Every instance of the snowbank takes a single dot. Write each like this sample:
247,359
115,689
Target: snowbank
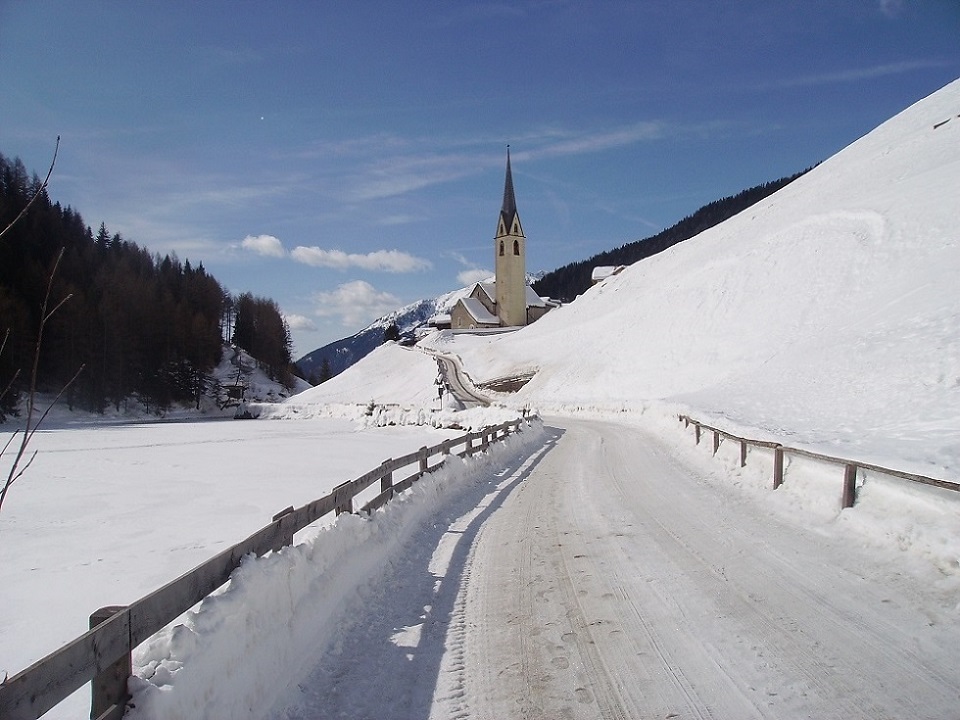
256,636
391,374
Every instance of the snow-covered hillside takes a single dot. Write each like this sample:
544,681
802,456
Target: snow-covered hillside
828,314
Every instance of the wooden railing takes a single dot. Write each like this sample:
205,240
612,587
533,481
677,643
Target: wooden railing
103,654
850,467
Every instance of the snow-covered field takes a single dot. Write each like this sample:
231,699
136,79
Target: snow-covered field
828,316
110,512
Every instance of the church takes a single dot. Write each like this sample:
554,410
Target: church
508,301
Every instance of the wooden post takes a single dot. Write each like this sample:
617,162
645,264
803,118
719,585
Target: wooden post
777,466
386,482
469,448
344,498
849,485
109,687
696,432
743,453
286,533
716,441
424,457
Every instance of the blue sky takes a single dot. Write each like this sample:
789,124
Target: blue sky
347,158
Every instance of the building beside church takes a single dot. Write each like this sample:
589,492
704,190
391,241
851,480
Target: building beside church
508,301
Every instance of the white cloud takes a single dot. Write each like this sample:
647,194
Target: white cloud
459,257
474,275
393,261
355,303
398,175
300,322
398,220
891,8
264,245
860,74
597,142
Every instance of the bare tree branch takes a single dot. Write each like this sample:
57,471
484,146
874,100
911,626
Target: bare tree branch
38,193
18,466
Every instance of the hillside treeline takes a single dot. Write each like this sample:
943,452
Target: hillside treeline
566,282
141,326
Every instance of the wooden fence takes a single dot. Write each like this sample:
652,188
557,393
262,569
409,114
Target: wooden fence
851,468
103,654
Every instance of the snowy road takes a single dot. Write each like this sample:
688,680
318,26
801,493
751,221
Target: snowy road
603,578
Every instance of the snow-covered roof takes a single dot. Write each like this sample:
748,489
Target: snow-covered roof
478,312
601,272
534,300
490,288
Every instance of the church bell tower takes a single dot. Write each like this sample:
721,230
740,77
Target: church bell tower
510,250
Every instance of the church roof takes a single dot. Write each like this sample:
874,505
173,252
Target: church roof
534,300
478,312
490,288
530,295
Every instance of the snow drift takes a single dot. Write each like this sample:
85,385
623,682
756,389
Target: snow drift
244,644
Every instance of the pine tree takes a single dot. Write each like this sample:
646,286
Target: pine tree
325,372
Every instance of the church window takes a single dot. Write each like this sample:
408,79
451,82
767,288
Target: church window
501,248
516,247
516,228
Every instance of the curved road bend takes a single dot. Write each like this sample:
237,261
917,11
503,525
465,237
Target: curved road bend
606,580
458,383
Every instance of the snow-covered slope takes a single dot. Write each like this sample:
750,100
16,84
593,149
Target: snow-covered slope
389,375
828,314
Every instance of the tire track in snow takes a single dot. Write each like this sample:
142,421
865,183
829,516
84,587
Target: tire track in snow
614,583
810,612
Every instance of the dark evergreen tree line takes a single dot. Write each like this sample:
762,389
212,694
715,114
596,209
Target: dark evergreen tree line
261,330
141,325
566,282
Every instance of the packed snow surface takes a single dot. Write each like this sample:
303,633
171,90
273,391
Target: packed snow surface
599,564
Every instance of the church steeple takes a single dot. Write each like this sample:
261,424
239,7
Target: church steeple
509,218
509,247
509,207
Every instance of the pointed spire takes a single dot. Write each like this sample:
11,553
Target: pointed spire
509,208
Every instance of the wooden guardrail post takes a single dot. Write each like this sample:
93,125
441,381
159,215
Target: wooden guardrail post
469,447
424,459
109,687
285,537
716,441
386,482
777,466
743,453
344,499
696,432
849,485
